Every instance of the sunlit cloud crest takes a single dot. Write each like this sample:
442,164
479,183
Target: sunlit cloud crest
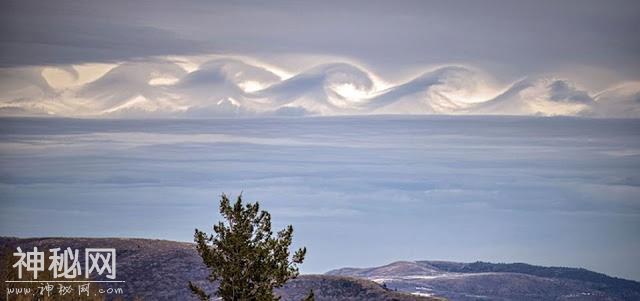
227,87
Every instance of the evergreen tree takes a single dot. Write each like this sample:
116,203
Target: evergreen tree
244,255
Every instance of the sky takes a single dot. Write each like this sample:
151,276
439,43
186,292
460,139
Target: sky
162,58
157,107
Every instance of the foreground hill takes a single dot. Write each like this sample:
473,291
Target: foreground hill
160,270
490,281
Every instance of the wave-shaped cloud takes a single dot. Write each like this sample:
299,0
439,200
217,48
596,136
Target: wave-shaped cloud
539,97
421,95
318,90
234,87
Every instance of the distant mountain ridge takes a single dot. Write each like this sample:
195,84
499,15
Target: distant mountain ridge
540,271
497,281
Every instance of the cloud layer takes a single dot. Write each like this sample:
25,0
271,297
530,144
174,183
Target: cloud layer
228,87
402,187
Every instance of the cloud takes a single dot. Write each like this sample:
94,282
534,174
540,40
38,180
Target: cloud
220,87
127,82
563,91
421,94
542,96
24,83
229,87
622,100
67,32
316,89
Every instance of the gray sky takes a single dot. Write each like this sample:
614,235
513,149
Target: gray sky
508,38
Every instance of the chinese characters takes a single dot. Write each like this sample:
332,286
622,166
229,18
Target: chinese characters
65,264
